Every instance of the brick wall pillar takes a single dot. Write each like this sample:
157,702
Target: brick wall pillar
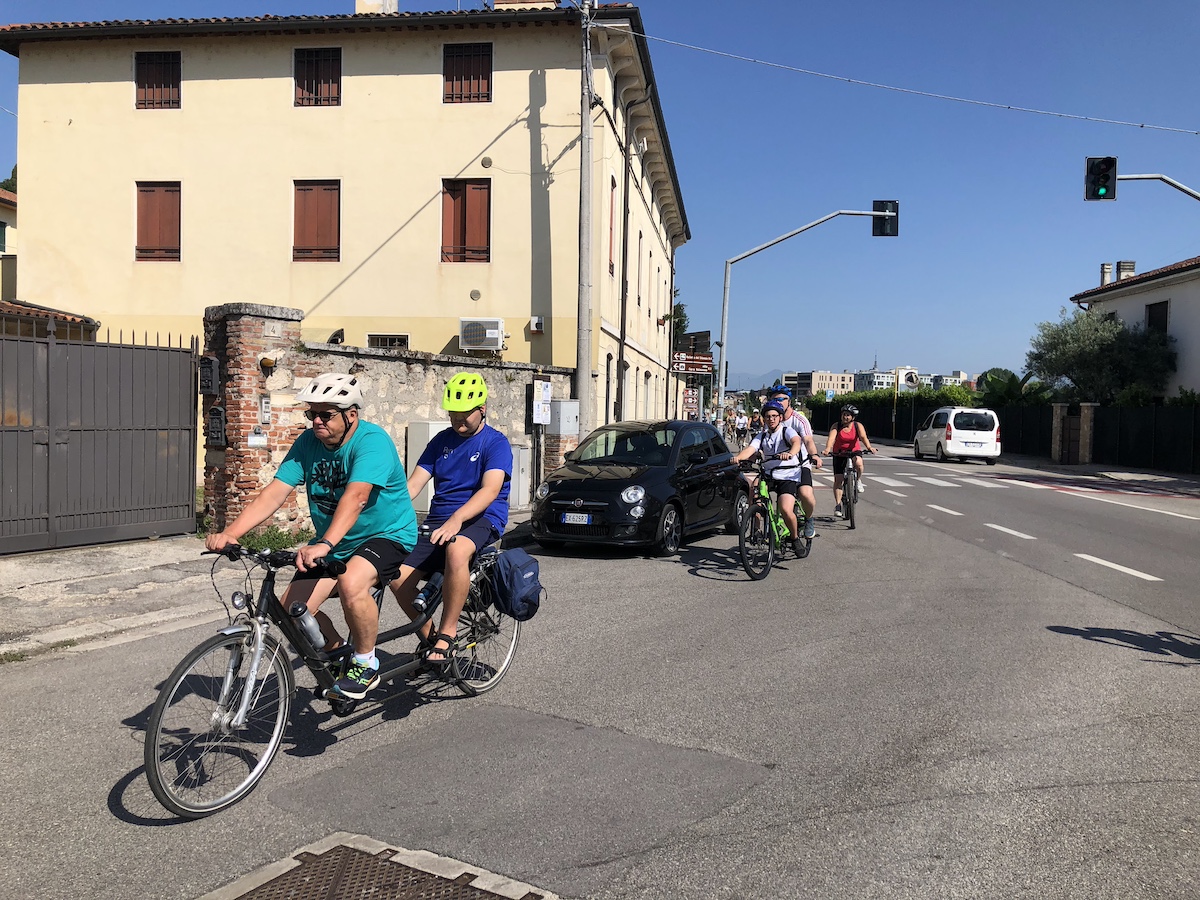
240,336
1056,430
557,447
1087,422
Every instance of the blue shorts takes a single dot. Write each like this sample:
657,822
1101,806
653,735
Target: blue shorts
428,557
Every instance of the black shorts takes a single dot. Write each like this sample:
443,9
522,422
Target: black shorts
384,554
839,462
741,432
428,557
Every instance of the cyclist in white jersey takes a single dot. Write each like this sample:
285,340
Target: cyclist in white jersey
785,453
782,395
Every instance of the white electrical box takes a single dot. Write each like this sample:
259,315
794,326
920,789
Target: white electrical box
419,436
564,417
537,324
520,490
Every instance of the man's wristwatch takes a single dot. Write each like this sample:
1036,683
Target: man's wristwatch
323,541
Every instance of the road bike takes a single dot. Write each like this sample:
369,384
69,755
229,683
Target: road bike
763,535
221,715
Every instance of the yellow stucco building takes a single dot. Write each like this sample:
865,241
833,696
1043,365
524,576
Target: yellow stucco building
408,179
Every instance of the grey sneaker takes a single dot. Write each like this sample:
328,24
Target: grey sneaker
356,682
837,511
810,529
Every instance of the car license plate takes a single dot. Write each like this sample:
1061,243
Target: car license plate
974,443
576,519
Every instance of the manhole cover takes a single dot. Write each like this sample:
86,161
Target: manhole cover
346,866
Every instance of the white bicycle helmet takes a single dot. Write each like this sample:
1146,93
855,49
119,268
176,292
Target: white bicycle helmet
333,388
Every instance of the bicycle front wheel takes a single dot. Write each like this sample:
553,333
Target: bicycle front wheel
850,494
487,642
197,762
756,541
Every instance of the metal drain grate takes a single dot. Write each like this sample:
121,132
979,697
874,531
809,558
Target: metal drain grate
335,870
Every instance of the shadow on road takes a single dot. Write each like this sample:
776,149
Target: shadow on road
1184,649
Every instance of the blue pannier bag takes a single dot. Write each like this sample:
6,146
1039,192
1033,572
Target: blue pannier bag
516,590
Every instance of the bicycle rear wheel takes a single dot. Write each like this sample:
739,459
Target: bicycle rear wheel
756,541
197,763
487,641
850,493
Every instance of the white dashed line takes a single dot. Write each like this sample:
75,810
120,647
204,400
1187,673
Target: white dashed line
1022,536
896,493
889,482
1112,565
1165,512
948,512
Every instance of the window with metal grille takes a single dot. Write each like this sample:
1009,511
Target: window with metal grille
3,235
1156,316
157,220
317,233
467,73
466,220
388,341
319,76
157,76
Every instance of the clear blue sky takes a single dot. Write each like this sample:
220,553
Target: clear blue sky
995,235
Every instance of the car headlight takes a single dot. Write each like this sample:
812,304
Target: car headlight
543,491
634,494
637,512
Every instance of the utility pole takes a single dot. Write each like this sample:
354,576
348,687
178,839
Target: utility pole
583,352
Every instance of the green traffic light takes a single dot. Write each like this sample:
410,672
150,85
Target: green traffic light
1102,191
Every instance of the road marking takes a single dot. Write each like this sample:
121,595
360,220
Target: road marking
896,493
1112,565
1025,537
983,483
1030,484
1165,512
948,512
936,482
1078,487
889,482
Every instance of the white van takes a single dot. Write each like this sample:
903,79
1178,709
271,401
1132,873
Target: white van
958,432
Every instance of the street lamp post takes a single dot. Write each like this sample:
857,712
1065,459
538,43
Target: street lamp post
729,265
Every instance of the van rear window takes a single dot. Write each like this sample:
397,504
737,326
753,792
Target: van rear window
974,421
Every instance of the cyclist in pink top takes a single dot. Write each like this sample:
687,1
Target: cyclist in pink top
847,437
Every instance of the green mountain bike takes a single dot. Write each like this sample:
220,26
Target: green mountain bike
763,535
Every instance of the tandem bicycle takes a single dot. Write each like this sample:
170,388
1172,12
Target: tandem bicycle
221,715
763,534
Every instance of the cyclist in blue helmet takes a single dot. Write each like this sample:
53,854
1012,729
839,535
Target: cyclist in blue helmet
799,423
785,472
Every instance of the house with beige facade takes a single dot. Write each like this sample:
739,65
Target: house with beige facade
409,180
1165,299
8,245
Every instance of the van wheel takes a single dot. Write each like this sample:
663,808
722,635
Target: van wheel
917,454
991,460
941,454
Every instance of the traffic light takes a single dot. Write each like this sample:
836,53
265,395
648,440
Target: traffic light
1100,178
885,226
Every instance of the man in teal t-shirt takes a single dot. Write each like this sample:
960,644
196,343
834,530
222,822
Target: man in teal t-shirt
359,502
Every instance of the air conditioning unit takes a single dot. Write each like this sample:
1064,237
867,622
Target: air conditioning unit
481,334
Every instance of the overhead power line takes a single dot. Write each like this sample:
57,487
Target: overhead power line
899,90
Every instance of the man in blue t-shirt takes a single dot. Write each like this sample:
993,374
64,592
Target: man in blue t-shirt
471,466
360,508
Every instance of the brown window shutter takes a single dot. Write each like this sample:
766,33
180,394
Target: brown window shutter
453,225
478,221
466,73
317,227
158,221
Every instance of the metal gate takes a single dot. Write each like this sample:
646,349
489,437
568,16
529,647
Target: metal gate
97,442
1069,455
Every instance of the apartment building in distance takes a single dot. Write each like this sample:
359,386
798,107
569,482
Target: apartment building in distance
806,384
410,179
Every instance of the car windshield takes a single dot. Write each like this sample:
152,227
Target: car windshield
638,448
974,421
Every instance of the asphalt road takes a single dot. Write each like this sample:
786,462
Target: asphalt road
926,707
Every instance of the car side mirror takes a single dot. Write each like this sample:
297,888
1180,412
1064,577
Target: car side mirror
571,455
696,458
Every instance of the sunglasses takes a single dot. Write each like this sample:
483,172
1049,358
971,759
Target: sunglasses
323,414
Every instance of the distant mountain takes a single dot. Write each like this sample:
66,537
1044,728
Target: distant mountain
742,381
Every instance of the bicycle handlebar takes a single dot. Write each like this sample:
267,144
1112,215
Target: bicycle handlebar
275,559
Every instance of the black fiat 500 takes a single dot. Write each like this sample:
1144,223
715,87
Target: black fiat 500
641,483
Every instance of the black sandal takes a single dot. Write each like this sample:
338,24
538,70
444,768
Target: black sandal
431,647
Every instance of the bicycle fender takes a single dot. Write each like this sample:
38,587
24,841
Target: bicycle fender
235,629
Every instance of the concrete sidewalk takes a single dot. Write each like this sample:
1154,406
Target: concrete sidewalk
70,599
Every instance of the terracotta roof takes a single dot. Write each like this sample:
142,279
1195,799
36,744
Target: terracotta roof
1097,293
8,198
31,311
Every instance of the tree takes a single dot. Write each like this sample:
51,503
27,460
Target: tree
679,324
1099,356
10,183
1000,387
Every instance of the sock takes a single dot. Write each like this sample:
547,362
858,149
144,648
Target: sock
368,660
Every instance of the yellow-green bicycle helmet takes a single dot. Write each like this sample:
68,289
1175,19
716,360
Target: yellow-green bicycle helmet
464,392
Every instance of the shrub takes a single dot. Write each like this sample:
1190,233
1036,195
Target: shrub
275,538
